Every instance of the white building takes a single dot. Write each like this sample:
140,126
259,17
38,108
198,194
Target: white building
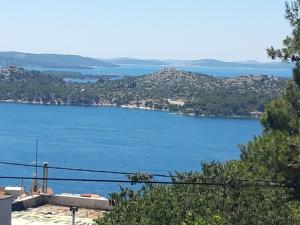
5,209
14,191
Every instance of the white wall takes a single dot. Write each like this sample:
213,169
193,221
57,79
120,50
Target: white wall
88,203
5,210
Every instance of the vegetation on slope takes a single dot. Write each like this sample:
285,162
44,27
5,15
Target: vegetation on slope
168,89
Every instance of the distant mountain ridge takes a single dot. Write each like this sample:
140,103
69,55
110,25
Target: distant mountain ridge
75,61
199,62
50,60
219,63
134,61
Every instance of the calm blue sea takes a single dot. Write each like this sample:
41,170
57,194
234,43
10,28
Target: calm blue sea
135,70
108,138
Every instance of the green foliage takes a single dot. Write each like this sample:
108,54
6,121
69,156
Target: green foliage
280,115
291,44
191,219
202,204
272,156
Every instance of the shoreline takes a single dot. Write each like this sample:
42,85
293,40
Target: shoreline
11,101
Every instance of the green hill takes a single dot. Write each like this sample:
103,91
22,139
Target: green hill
167,89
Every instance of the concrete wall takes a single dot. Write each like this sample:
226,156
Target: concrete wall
82,202
5,210
61,200
29,202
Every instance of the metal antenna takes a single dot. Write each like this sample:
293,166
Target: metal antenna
36,163
73,209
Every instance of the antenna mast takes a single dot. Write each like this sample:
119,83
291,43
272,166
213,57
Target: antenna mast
36,164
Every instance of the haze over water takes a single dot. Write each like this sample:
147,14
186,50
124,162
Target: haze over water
116,139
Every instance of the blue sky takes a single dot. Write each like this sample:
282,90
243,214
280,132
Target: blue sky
163,29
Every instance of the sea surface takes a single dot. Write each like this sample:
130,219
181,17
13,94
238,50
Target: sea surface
115,139
136,70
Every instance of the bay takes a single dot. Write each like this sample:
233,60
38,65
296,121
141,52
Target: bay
109,138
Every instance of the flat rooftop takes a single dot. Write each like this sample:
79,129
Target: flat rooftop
54,215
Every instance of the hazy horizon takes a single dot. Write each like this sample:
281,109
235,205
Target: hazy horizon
149,59
227,30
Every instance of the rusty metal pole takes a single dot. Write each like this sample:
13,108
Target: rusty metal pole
36,166
45,177
73,209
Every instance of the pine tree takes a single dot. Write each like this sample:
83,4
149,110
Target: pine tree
290,52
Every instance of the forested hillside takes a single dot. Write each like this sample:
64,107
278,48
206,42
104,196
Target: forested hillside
168,89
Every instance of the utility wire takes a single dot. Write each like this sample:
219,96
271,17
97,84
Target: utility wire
230,180
83,170
228,184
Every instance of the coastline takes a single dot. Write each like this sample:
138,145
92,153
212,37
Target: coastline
11,101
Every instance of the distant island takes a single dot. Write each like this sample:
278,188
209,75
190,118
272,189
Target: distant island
168,89
133,61
240,64
199,62
29,60
21,59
